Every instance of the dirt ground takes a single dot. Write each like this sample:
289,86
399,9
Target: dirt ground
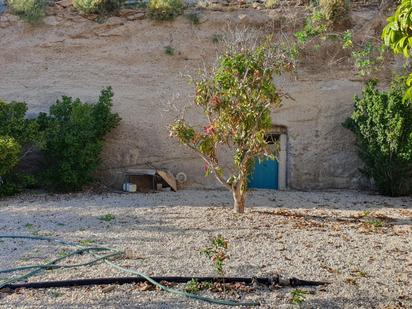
359,242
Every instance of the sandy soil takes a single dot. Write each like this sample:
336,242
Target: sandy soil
359,242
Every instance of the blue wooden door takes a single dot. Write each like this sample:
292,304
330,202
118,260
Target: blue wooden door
264,175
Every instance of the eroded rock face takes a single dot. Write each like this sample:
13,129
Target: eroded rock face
321,153
70,55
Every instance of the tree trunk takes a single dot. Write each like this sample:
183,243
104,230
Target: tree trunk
239,200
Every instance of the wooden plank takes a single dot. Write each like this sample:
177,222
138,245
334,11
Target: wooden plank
169,178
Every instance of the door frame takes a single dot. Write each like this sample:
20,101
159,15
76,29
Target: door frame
282,156
281,136
281,131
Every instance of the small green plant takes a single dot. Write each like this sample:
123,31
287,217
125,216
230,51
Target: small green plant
367,59
29,226
360,273
347,39
107,217
101,7
217,37
63,252
87,242
165,9
291,52
193,286
315,26
375,223
31,11
297,296
169,50
270,4
194,18
207,285
217,253
73,135
365,213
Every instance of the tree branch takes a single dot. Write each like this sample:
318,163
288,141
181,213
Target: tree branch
212,165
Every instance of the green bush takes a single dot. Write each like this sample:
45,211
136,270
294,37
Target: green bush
270,4
97,6
334,10
382,123
73,140
9,154
315,25
17,134
13,123
165,9
31,11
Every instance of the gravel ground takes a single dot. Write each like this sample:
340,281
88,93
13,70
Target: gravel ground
359,242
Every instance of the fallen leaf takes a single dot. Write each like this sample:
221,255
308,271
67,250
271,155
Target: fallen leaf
108,288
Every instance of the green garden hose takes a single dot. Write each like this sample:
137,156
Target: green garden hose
53,266
99,258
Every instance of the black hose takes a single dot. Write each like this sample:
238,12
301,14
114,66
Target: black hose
292,282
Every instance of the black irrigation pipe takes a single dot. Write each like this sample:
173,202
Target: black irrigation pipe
276,281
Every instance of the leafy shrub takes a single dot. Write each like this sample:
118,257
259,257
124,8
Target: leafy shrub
165,9
14,183
347,39
87,6
73,140
315,25
217,253
13,122
382,123
9,154
31,11
97,6
194,18
193,286
17,134
270,4
367,59
334,10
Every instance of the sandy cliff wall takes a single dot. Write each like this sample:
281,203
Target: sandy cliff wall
70,55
